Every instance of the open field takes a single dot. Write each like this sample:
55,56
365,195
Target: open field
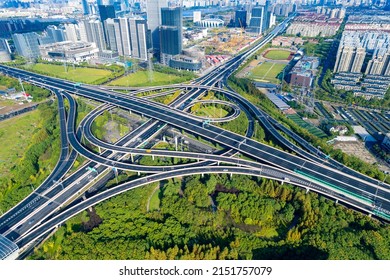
141,78
266,72
277,54
15,135
211,111
78,74
312,129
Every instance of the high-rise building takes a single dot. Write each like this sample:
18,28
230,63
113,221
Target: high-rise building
92,31
153,10
240,19
358,60
354,45
111,38
171,33
266,16
118,39
98,34
5,51
71,32
55,33
85,7
257,20
106,11
344,59
138,36
122,33
27,44
85,31
379,63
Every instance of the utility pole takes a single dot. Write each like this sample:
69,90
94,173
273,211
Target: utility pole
21,84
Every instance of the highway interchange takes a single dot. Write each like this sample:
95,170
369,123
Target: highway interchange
58,198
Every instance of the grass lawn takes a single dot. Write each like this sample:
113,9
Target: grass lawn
277,54
154,202
141,78
267,72
15,135
312,129
210,111
78,74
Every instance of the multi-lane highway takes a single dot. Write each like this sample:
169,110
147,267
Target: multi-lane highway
309,168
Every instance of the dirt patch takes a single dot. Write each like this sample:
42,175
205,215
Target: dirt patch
357,149
112,132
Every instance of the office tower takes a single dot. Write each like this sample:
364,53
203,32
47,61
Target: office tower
256,22
171,33
85,7
26,44
98,34
153,11
118,38
122,34
55,33
111,37
266,16
85,31
71,32
240,19
106,11
138,36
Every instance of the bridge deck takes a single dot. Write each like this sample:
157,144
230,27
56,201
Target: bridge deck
8,249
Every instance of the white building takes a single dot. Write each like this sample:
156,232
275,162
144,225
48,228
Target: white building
69,52
197,16
212,23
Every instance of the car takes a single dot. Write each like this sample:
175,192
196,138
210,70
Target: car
31,221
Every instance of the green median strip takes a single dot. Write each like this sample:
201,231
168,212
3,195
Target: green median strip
335,187
381,214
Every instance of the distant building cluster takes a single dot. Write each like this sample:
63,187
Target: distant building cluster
355,45
255,18
303,73
379,21
313,25
371,86
282,41
332,13
284,9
